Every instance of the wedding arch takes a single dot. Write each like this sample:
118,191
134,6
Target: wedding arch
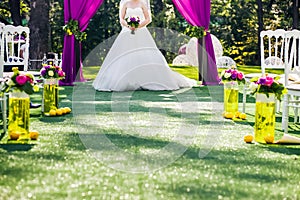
195,12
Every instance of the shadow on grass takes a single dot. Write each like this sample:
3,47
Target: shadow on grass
16,147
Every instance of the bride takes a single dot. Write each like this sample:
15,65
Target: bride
134,62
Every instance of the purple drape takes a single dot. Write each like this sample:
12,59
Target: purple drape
82,11
197,13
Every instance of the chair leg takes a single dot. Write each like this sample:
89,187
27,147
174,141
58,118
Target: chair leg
285,113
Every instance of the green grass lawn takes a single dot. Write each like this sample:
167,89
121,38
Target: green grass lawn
147,145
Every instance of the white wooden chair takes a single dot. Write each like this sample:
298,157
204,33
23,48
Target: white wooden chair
3,96
292,77
14,38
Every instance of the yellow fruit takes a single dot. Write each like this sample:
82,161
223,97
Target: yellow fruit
237,114
34,135
242,116
52,112
14,135
59,112
269,139
248,138
228,115
68,109
63,110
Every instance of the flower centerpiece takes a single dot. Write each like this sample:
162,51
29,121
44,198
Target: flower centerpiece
232,74
51,75
19,82
231,79
19,86
266,89
133,22
267,85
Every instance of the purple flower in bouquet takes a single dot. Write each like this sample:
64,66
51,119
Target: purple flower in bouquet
232,75
133,22
43,72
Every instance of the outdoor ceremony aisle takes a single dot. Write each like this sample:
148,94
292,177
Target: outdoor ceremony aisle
147,145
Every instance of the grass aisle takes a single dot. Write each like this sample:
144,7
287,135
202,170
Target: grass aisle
179,138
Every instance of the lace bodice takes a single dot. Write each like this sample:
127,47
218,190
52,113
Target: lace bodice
135,12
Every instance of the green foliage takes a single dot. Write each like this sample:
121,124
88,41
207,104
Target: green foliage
72,28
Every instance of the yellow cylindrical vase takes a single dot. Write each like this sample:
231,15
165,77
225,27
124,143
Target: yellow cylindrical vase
18,119
50,96
231,97
264,117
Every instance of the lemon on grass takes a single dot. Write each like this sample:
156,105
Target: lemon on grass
248,138
269,139
228,115
242,116
34,135
14,135
63,110
59,112
67,109
52,112
237,114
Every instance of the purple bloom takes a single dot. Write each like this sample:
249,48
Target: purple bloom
47,67
43,72
262,81
234,74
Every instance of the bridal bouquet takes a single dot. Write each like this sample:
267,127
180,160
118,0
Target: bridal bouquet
133,22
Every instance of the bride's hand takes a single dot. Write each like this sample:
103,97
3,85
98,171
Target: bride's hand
131,28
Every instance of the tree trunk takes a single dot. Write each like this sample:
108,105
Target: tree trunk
295,14
260,25
39,30
15,12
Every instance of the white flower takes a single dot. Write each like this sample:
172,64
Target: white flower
10,83
50,73
253,86
227,75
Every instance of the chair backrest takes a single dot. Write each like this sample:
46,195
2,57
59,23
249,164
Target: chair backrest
14,40
292,54
272,49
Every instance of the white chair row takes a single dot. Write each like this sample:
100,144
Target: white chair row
280,49
189,56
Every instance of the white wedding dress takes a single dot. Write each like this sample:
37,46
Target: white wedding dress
135,63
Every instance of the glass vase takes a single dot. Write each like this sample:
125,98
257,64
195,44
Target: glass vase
264,117
50,96
18,117
231,96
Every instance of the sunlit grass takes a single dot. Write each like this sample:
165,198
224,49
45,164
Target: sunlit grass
215,162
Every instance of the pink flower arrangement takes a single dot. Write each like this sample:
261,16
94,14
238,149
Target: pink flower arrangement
267,85
21,82
232,75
